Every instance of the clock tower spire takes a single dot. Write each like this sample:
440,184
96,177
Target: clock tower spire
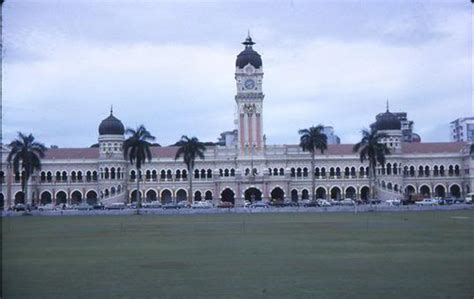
249,99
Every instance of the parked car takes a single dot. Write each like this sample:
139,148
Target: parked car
19,207
247,204
184,204
46,207
116,206
347,202
446,201
152,205
259,204
277,203
171,205
427,202
308,203
84,207
225,204
323,203
290,203
201,205
98,206
459,200
393,202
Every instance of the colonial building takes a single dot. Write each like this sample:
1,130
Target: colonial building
242,166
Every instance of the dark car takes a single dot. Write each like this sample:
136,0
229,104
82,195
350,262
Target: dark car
225,204
171,205
19,207
98,206
276,203
309,203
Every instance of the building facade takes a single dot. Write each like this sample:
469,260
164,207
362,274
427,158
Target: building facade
462,129
242,166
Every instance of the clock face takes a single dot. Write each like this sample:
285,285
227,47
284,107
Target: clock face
249,84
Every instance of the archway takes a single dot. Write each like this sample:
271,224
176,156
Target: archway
365,193
2,201
253,194
228,195
277,194
305,194
91,197
455,191
350,192
440,191
197,196
425,191
20,197
61,197
321,193
166,196
336,193
46,198
181,195
76,197
294,195
133,195
208,195
151,195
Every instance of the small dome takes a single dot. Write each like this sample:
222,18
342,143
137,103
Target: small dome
111,126
387,121
248,55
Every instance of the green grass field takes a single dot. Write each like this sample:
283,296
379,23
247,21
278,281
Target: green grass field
332,255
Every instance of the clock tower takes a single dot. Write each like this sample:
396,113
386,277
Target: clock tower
249,100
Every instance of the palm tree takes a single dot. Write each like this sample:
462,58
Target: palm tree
136,149
190,149
25,155
313,139
372,149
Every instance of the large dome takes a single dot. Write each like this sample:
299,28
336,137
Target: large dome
387,121
111,126
248,55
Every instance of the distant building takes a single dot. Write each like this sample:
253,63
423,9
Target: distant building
332,138
228,139
462,129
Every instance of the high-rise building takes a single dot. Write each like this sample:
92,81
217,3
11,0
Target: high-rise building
462,129
332,138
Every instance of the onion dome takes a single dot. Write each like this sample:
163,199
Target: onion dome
387,121
248,55
111,126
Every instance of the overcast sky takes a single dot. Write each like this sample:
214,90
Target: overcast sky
170,66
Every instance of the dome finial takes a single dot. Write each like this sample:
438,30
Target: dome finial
387,106
248,41
111,109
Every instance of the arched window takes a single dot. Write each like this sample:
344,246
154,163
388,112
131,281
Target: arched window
64,176
73,176
133,175
275,171
338,172
79,176
169,174
106,173
42,176
282,171
232,172
94,175
323,172
353,172
177,174
298,172
112,173
395,168
427,171
209,173
389,168
49,176
88,176
412,170
293,172
203,173
361,172
420,171
154,175
456,170
196,173
163,174
305,172
346,172
450,170
435,170
2,177
226,172
221,172
184,174
332,173
317,172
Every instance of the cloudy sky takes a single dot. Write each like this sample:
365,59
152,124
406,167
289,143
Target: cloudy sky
170,65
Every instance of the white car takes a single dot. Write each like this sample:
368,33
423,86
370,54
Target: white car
427,202
46,207
201,205
323,203
393,202
347,202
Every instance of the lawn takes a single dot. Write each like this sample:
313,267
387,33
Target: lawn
326,255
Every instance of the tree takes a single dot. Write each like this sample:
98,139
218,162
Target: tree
471,151
372,149
313,139
25,155
190,149
136,149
